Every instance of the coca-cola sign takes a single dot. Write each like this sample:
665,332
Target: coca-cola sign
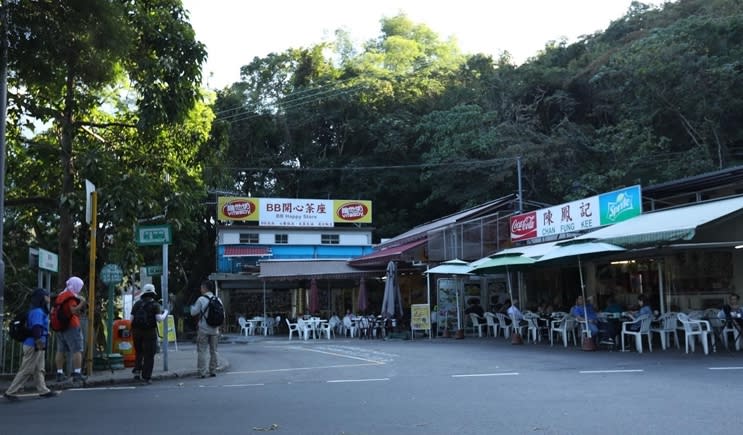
524,226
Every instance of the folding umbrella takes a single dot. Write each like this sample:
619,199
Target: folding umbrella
392,301
314,297
578,249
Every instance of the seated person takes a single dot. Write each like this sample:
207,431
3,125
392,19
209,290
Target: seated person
585,314
515,314
644,309
732,312
612,306
611,326
474,307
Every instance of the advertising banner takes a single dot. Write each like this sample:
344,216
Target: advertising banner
420,317
288,212
583,214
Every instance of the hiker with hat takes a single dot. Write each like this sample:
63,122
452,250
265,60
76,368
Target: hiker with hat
70,339
146,312
34,348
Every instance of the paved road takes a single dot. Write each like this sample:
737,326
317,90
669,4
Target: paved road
472,386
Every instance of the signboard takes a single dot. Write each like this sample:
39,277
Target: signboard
48,260
153,235
288,212
420,317
584,214
171,329
449,301
154,270
111,274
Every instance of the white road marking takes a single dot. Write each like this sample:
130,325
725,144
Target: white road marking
338,381
592,372
243,385
475,375
300,369
725,368
102,388
344,356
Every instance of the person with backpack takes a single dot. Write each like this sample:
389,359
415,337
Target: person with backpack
146,312
34,348
210,312
65,321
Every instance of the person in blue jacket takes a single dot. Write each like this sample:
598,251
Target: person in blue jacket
34,348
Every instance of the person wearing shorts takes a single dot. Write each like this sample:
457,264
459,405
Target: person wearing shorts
70,341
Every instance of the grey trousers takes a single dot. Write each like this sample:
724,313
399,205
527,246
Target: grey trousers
206,347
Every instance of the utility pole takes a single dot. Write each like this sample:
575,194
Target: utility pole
3,117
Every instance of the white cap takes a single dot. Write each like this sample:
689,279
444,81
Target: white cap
148,288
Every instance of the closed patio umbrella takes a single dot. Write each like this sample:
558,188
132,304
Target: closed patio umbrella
363,298
314,297
392,301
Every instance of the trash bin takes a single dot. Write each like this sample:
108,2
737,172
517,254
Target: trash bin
123,342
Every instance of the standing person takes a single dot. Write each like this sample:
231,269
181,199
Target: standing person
34,348
146,312
208,335
70,340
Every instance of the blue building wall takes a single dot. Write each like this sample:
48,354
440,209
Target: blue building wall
286,252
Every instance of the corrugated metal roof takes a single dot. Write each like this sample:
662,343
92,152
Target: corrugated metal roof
667,225
387,254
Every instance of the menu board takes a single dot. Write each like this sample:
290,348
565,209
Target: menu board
420,317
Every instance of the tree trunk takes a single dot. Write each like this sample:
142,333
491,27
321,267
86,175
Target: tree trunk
65,157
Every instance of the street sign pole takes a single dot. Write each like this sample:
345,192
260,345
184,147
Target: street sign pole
91,284
164,281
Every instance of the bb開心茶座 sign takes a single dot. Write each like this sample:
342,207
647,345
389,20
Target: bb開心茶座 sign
292,212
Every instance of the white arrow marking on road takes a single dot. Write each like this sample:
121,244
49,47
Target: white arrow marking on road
485,374
356,380
725,368
592,372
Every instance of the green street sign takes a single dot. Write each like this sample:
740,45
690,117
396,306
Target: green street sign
111,274
151,235
153,270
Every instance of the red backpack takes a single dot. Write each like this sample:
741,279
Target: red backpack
59,316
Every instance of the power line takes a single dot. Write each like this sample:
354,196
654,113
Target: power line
476,164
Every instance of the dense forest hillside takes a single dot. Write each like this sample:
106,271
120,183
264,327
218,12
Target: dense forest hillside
420,128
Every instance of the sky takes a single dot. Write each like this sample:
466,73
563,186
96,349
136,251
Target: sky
236,31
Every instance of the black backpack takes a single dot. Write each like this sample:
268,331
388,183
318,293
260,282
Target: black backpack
214,312
142,317
18,329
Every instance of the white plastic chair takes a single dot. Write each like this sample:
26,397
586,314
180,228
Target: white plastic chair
668,325
532,322
565,328
245,327
644,330
492,324
293,327
349,326
478,325
326,329
504,325
694,329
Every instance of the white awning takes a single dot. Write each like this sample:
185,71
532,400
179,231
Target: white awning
666,226
532,251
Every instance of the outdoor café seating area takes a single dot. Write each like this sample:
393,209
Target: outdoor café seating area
351,326
696,330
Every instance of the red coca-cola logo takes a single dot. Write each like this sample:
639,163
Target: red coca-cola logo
352,211
524,226
238,209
